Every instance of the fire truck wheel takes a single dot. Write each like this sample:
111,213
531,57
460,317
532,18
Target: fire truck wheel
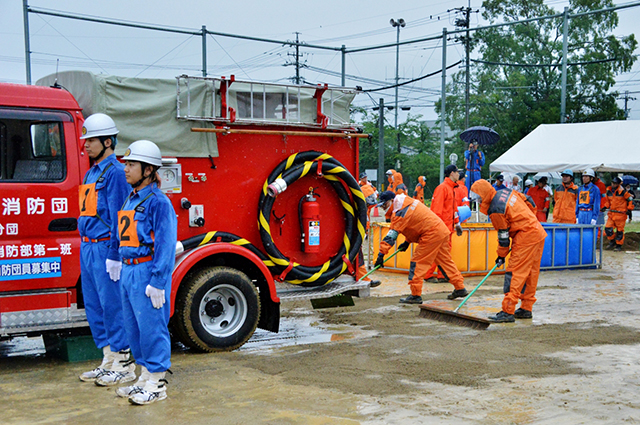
217,309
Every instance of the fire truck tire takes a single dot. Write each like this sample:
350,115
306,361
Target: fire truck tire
217,309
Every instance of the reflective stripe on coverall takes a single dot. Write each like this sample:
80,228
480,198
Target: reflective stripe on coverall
588,203
155,226
541,199
618,202
98,221
513,219
564,210
473,164
420,225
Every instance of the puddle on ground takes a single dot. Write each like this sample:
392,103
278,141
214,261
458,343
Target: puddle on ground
295,330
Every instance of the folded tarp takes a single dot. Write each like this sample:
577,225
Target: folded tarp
144,108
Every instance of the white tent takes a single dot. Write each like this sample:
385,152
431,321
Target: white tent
603,146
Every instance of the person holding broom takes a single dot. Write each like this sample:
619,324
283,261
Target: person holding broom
518,230
419,225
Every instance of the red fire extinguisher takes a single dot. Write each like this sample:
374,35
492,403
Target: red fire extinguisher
309,210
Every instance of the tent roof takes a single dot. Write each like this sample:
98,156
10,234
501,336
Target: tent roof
603,146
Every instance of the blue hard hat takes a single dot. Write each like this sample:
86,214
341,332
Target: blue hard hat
386,196
567,172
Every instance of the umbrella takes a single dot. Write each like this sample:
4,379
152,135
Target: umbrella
483,135
629,180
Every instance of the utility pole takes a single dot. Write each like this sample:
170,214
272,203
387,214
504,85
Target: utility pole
464,23
297,63
381,146
626,98
400,23
27,44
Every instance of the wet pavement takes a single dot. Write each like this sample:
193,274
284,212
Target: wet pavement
219,388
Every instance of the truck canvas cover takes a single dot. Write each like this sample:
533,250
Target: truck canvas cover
144,108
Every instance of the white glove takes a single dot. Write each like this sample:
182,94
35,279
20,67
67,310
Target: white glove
156,295
593,221
114,268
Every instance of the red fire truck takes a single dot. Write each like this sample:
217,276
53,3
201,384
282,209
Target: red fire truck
260,176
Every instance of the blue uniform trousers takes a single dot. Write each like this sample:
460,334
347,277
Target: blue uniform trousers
102,301
472,177
146,327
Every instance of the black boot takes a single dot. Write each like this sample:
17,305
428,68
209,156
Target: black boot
502,317
521,313
612,244
457,293
411,299
375,283
618,248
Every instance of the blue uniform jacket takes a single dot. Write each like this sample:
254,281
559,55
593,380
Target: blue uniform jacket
588,200
474,161
112,190
154,214
499,187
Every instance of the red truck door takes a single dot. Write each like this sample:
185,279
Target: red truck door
39,175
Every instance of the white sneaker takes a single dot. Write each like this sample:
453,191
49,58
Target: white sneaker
123,370
155,389
126,392
107,363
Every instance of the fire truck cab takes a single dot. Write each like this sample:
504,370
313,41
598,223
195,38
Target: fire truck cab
260,176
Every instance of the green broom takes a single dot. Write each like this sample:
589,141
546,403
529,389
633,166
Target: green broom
453,316
376,268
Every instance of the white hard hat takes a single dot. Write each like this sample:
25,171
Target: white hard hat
589,172
97,125
389,172
528,182
144,151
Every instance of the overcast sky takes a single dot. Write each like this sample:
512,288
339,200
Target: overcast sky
354,23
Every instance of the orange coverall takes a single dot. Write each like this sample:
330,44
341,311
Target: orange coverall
419,192
420,225
462,195
513,219
541,198
444,204
618,201
565,198
394,181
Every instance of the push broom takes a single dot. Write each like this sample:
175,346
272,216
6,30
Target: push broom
453,316
376,268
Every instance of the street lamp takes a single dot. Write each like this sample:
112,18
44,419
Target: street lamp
400,23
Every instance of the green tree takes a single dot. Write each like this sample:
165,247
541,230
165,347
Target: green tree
516,83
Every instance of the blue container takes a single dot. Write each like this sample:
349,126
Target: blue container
559,236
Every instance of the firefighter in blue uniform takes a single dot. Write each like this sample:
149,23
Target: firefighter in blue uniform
101,195
147,229
588,205
474,160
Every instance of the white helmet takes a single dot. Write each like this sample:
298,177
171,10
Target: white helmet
528,182
589,172
97,125
144,151
389,172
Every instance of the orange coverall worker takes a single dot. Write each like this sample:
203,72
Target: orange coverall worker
603,192
619,201
513,219
444,204
462,194
395,180
565,199
541,199
420,225
418,193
